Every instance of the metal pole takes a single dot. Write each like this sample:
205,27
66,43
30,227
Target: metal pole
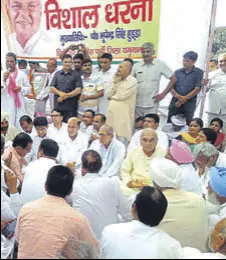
208,54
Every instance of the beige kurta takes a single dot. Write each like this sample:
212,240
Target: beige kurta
121,108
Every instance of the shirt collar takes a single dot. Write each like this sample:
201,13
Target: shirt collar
193,69
144,64
63,73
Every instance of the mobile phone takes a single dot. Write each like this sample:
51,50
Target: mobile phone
9,230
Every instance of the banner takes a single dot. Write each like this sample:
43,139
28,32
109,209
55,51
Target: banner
37,29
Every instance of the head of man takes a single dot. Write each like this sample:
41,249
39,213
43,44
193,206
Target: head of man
206,135
222,62
57,117
22,64
73,126
129,60
150,200
213,65
149,140
217,239
48,148
106,134
124,69
178,122
206,155
139,123
41,126
2,145
4,122
147,51
51,65
26,124
22,143
11,60
88,117
165,173
91,162
189,60
77,61
217,186
98,121
87,65
106,61
216,124
67,62
151,121
180,153
59,181
25,18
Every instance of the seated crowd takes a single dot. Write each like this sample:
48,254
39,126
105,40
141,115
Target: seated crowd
88,180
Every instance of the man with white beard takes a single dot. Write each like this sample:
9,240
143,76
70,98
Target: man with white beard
207,156
217,195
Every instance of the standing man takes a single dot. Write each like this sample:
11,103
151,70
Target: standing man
148,74
122,96
217,92
67,86
187,86
106,77
15,86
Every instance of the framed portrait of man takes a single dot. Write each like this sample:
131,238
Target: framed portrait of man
39,81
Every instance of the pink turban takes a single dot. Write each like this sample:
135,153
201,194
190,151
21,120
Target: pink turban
181,152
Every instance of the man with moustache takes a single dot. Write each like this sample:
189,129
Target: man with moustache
27,37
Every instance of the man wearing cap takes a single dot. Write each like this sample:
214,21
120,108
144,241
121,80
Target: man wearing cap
217,194
148,74
187,86
186,218
9,132
180,153
217,92
177,125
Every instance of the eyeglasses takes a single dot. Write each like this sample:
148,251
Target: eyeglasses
31,7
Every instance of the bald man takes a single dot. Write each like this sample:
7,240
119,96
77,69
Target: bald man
217,92
135,171
74,145
122,100
148,74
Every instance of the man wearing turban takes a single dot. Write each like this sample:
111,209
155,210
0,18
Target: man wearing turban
7,131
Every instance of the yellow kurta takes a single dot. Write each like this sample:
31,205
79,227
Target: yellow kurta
136,166
121,109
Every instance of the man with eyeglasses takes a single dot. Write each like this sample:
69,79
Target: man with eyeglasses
25,19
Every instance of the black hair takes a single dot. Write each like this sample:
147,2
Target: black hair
151,205
153,116
140,118
90,111
22,63
58,111
22,140
78,56
59,181
211,135
129,60
66,56
217,120
11,54
40,121
91,161
197,121
85,61
25,118
49,147
103,117
107,56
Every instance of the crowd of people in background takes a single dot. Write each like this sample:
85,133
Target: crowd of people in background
88,171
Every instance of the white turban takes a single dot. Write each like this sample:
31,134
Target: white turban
4,116
165,173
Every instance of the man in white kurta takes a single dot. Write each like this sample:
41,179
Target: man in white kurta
22,89
112,151
36,172
99,198
216,103
141,238
122,96
150,121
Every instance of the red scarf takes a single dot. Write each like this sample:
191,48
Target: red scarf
11,87
220,139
